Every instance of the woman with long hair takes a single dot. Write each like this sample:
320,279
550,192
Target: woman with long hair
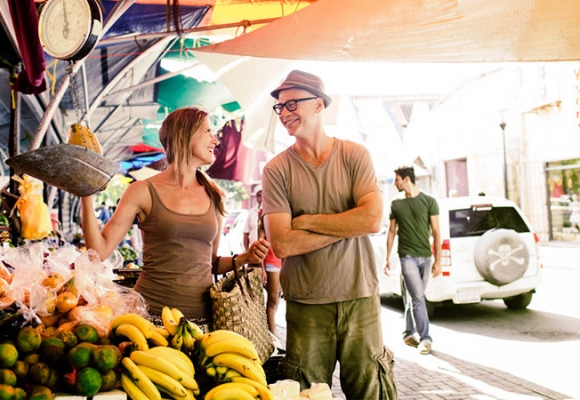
179,212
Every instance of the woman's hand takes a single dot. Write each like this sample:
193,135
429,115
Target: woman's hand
256,253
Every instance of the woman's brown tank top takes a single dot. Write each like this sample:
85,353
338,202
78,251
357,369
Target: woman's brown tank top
177,255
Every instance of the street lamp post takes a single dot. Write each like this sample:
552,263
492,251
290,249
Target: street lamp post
502,125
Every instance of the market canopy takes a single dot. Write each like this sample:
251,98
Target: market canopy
121,85
125,84
419,31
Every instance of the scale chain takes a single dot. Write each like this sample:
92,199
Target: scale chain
73,91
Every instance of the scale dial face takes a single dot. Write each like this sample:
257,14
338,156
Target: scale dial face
65,27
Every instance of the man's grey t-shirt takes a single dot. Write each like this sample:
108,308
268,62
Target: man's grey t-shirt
342,271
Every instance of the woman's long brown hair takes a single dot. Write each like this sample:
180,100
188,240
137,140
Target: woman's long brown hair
176,134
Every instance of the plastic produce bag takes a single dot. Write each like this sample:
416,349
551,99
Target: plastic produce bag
34,215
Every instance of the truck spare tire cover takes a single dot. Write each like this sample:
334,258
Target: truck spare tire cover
501,256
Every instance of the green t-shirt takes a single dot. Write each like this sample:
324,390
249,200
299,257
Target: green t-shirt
414,224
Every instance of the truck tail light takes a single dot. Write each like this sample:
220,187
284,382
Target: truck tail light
446,257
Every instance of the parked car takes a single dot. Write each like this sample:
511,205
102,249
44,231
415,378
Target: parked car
489,250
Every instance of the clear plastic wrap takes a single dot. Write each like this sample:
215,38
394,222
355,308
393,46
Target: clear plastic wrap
56,286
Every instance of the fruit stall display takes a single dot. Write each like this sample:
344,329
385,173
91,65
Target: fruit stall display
67,329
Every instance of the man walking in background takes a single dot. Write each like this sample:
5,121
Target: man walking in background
414,218
321,201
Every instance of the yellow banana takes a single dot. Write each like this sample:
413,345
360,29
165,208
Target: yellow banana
195,330
232,373
190,394
164,381
132,333
80,135
131,388
243,365
144,384
181,360
169,322
187,338
221,370
177,315
243,347
148,359
211,372
221,334
162,331
264,392
231,390
144,325
158,339
159,363
177,340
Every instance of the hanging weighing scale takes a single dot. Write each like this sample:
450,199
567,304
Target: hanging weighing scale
68,30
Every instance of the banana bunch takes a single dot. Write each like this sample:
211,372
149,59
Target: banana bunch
139,330
183,332
158,371
240,389
80,135
233,362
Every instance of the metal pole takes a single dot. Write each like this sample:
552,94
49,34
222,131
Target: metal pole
505,178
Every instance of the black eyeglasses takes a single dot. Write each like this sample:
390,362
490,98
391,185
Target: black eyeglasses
291,105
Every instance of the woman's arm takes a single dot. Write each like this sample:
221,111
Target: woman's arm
121,221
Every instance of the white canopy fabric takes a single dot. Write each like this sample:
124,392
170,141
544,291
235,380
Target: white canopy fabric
419,31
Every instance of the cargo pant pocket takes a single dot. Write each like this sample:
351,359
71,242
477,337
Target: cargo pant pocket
289,369
386,361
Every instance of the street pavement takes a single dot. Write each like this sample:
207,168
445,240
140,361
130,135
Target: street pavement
442,376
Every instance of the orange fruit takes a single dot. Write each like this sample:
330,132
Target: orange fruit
53,280
50,320
3,286
66,301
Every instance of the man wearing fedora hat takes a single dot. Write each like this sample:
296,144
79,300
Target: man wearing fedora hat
321,201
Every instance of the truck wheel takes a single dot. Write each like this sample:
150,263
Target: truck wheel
501,256
519,302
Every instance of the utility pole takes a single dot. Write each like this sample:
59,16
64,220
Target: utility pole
502,125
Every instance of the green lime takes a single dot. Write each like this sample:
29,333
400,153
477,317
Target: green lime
21,371
39,373
109,380
86,333
28,340
41,393
8,355
88,382
19,393
105,358
69,339
79,356
31,359
7,392
8,377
